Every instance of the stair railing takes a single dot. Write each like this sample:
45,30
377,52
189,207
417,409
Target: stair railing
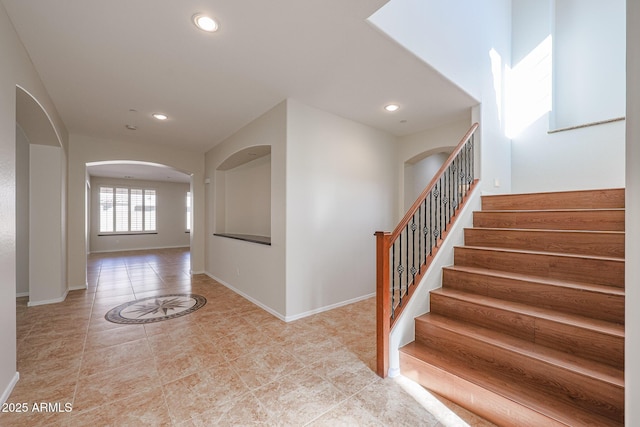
403,256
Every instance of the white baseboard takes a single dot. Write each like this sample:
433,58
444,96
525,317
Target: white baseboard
22,294
48,301
242,294
79,287
328,307
193,273
138,249
296,316
9,388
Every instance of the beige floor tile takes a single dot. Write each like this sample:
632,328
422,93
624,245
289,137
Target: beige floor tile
183,362
34,419
203,391
347,414
245,411
115,336
50,349
391,405
149,409
345,371
264,365
125,382
298,398
102,359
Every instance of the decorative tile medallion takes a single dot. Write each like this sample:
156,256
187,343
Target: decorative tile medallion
155,309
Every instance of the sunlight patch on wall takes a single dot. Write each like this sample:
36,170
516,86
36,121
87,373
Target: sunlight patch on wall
498,79
529,88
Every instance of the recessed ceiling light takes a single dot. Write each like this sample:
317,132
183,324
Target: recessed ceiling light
131,127
392,107
160,116
205,23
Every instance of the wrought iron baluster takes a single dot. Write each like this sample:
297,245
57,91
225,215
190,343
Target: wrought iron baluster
400,270
455,188
447,205
413,249
406,279
425,230
393,279
440,210
472,161
419,237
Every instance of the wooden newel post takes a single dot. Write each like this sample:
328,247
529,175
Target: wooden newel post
383,303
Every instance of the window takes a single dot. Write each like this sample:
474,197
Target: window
124,210
188,210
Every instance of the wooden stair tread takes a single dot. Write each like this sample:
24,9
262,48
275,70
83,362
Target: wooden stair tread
557,254
614,197
604,289
601,326
569,219
528,349
513,391
552,210
546,230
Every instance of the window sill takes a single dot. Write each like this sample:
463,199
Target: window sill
142,233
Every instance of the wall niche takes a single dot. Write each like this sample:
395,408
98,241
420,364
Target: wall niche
243,195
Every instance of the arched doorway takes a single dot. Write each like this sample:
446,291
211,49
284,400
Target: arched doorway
40,204
419,170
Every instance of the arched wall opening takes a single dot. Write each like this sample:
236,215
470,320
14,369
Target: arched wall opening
420,170
85,150
40,204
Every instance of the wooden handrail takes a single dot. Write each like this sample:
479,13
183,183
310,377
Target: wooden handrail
453,181
412,210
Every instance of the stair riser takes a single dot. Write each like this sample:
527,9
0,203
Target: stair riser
493,407
545,379
587,343
596,199
581,342
595,305
600,220
580,269
514,324
584,243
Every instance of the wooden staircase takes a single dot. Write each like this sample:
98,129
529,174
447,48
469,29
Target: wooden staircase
528,327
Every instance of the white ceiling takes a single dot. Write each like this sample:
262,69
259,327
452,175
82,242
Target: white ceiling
101,59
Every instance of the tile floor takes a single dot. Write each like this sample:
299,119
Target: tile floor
229,363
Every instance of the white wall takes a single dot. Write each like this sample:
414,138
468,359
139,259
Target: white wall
632,267
480,35
341,188
47,273
589,61
584,158
22,213
247,198
15,69
85,149
253,270
170,217
579,159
